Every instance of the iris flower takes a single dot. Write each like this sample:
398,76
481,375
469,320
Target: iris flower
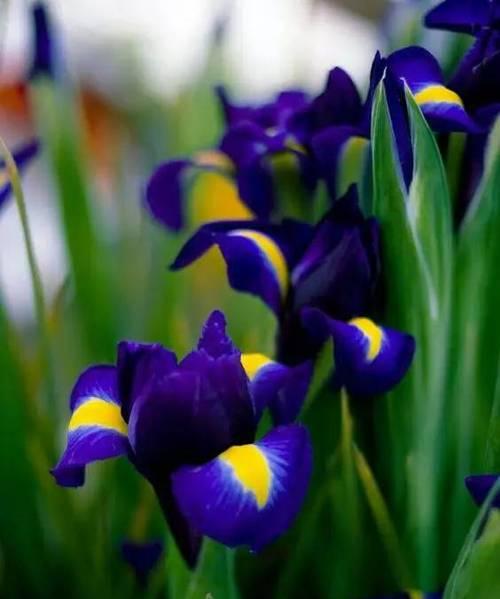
476,79
332,268
22,156
189,428
256,137
339,146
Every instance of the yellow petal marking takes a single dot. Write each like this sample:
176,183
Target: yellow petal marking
97,412
373,333
251,469
272,253
437,94
252,363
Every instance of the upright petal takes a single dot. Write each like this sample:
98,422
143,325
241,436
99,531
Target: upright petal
280,388
480,485
249,494
191,414
214,339
369,359
137,364
339,270
96,430
442,107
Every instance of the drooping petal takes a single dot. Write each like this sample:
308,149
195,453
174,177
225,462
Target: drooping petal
22,156
96,430
203,184
369,359
249,494
280,388
137,364
480,485
258,256
463,16
441,106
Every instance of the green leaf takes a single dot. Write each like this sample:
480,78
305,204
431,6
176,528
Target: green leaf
475,342
476,574
214,574
417,252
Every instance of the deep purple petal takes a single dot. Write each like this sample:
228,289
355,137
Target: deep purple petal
248,495
137,364
142,557
43,61
191,414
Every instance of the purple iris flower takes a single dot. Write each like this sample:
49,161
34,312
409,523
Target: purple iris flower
189,428
476,79
442,107
254,137
306,273
22,156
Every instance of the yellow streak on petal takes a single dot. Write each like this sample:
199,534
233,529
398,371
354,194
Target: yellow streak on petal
97,412
251,469
373,333
273,254
437,94
252,363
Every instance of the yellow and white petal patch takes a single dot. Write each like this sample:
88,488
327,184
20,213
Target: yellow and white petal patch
272,253
98,412
437,94
252,363
251,469
372,333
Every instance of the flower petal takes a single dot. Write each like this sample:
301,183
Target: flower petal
442,107
280,388
96,430
137,364
249,494
465,16
369,359
257,255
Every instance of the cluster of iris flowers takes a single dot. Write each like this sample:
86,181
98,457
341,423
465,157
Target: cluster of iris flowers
189,426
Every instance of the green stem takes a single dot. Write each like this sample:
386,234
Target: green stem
36,280
382,519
